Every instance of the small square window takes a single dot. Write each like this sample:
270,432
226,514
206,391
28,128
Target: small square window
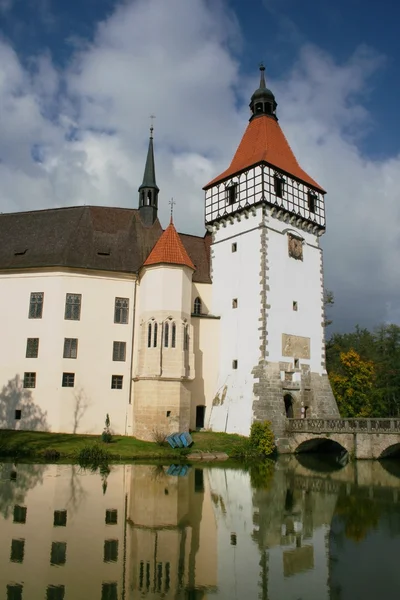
311,200
234,303
17,551
234,247
121,310
116,382
32,347
20,514
60,518
73,307
110,551
70,348
29,380
111,516
296,363
295,305
58,553
18,414
55,592
68,380
234,364
233,539
109,591
231,192
14,591
119,351
36,305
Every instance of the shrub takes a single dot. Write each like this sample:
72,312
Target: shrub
93,454
106,436
158,437
262,438
51,454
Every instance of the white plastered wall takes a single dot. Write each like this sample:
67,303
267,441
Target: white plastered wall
236,275
82,408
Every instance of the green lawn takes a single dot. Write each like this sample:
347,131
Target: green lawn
40,445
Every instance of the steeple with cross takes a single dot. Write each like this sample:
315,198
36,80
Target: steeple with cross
148,191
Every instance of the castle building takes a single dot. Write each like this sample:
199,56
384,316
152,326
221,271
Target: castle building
104,312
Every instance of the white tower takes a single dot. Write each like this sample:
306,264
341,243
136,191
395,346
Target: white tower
266,215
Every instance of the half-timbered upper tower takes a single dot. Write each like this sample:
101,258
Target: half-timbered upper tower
267,214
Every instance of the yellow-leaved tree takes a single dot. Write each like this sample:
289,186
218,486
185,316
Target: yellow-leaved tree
353,386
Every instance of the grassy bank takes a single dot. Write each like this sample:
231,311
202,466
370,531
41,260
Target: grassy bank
48,446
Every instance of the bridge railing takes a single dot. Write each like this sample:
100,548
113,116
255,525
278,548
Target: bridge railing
343,425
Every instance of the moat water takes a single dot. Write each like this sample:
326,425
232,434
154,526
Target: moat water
297,529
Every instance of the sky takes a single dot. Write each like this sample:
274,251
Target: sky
80,79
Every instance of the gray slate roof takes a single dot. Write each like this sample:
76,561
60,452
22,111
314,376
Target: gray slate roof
91,237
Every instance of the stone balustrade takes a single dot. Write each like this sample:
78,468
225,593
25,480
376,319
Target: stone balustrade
343,425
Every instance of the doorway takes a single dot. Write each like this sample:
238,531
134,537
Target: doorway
200,414
288,406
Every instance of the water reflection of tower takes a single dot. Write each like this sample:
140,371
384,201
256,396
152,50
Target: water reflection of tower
173,535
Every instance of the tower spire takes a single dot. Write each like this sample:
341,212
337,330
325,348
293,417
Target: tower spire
262,101
148,191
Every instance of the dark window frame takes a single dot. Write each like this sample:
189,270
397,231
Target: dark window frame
70,348
36,302
29,380
279,186
119,351
197,306
311,201
73,306
121,310
232,193
117,382
67,378
32,348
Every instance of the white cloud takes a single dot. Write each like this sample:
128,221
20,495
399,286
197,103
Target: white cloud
80,136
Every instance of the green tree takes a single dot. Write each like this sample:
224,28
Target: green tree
353,386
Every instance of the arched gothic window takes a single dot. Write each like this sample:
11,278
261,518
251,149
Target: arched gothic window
166,334
197,306
173,335
148,198
149,335
186,337
155,335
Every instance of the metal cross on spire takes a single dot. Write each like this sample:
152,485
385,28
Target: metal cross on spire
172,203
152,117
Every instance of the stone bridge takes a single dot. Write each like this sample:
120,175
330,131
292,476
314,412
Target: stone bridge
362,438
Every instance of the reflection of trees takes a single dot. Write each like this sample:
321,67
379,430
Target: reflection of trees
15,481
262,474
80,407
76,491
14,396
359,515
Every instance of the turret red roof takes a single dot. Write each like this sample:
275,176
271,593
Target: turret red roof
169,249
265,142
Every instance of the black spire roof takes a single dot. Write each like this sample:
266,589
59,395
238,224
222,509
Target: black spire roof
263,100
148,191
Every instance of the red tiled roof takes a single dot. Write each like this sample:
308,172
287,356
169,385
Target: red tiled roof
169,249
264,141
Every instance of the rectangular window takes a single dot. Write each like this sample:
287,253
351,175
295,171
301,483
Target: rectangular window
17,551
234,303
29,380
234,364
234,247
121,310
111,516
295,305
231,192
60,518
296,363
18,414
14,591
36,305
55,592
73,307
70,348
119,351
20,514
58,553
32,347
68,379
311,199
110,550
116,382
278,186
109,591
